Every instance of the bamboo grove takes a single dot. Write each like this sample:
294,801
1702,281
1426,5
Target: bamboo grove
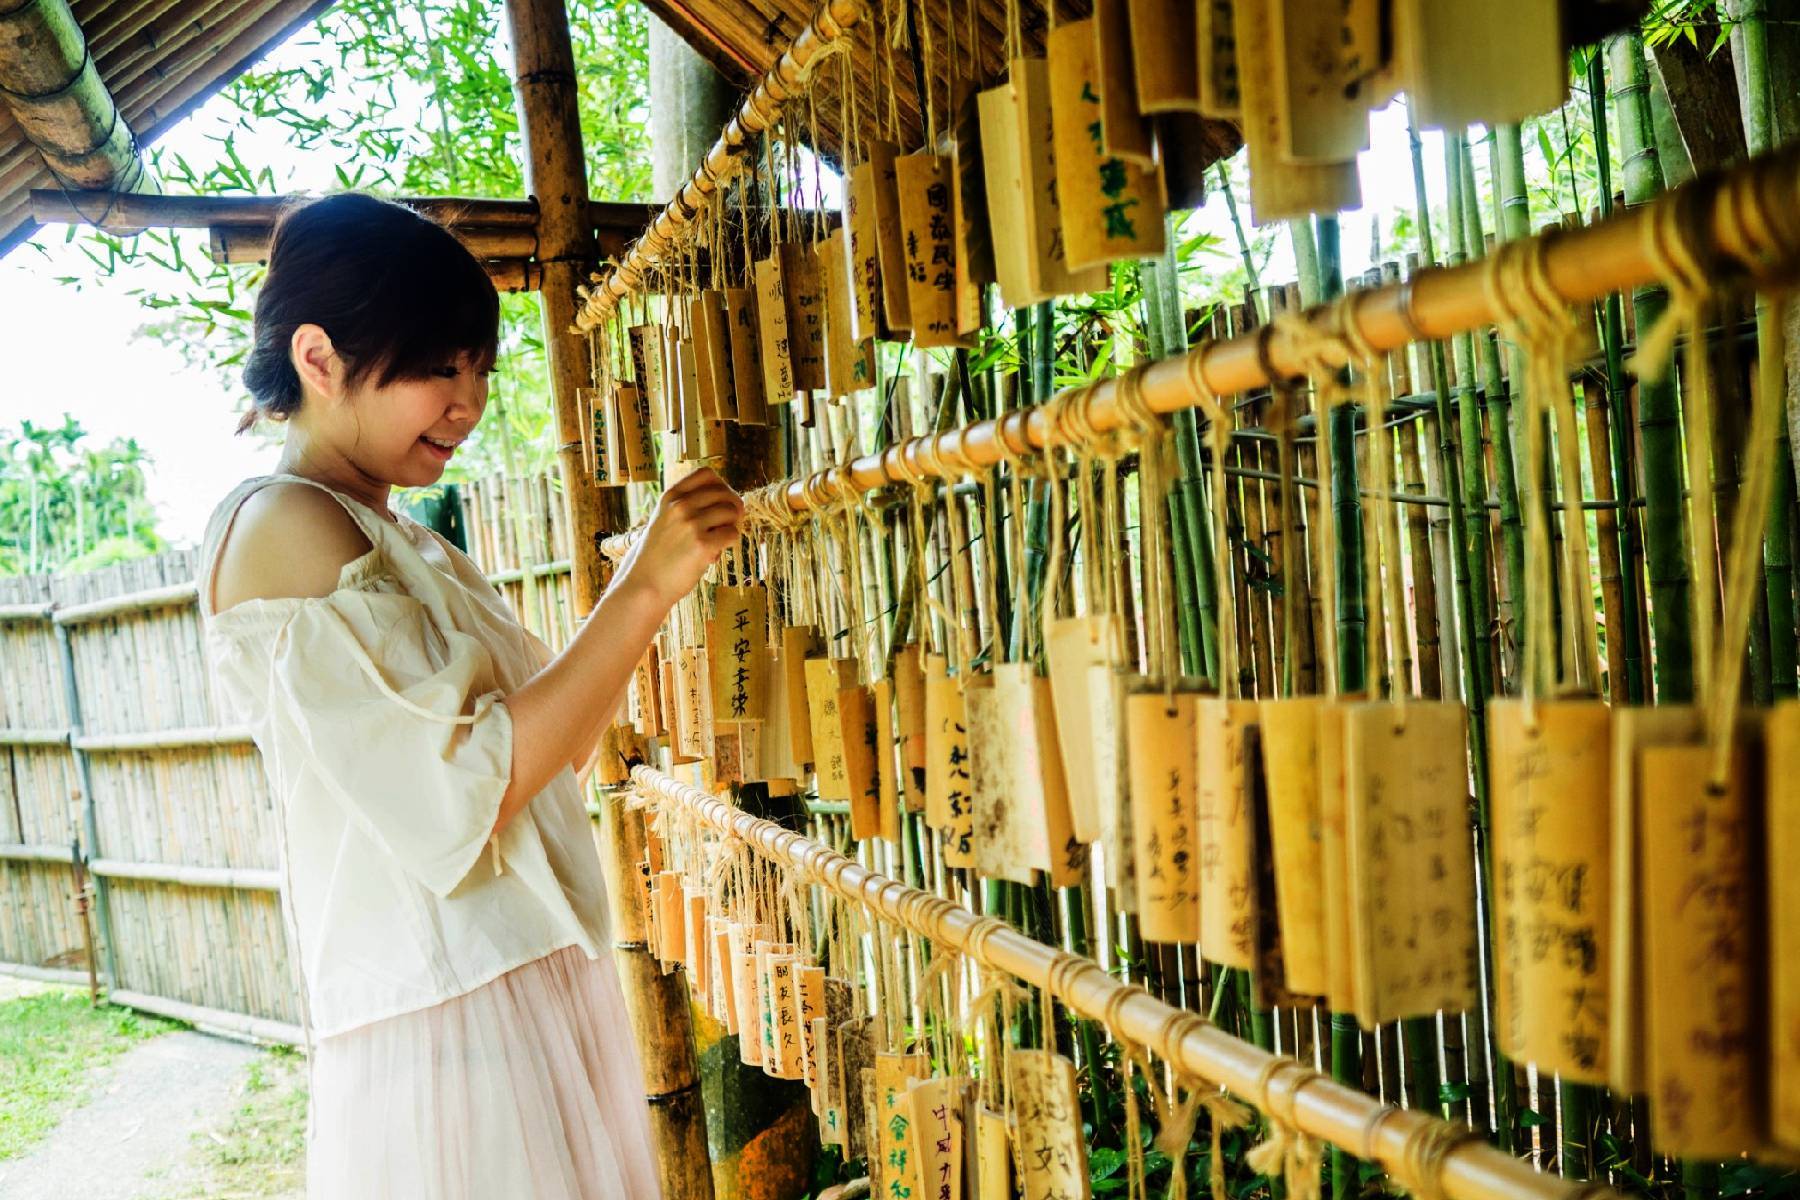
1371,692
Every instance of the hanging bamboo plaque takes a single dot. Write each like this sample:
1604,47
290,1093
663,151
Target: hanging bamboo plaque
993,1153
909,707
1000,849
1081,693
1215,40
741,669
1047,1114
899,1146
859,739
809,1007
1783,781
1634,730
798,644
1319,67
1549,791
834,1119
863,251
1702,975
937,1135
1279,187
1124,133
645,681
599,434
722,988
786,1005
1226,835
772,321
1164,59
637,442
923,184
974,251
890,249
855,1048
1290,740
1111,208
1160,734
881,708
1051,273
1467,61
1334,850
693,703
671,937
747,378
946,701
775,735
712,333
827,729
698,955
1037,813
803,287
671,367
647,368
1003,171
671,717
849,364
1412,868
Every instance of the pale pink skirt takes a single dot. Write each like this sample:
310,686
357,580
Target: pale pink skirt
527,1087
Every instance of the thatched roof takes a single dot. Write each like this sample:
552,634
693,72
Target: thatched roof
160,59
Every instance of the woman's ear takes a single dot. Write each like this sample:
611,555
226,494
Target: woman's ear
316,362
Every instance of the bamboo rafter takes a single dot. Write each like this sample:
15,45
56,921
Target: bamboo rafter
786,79
1313,1103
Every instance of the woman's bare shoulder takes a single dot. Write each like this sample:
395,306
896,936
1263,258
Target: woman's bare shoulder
288,540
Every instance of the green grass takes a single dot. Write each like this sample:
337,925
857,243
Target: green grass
261,1151
49,1043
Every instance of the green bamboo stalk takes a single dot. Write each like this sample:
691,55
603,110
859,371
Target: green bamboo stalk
1659,416
1623,643
1306,260
1750,41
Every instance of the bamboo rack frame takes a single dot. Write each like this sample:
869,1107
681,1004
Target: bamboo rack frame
1583,264
1320,1106
726,158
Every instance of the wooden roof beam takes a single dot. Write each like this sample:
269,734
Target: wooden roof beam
49,80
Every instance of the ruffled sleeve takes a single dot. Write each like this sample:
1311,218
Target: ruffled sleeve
401,722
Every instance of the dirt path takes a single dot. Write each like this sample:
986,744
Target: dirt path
132,1139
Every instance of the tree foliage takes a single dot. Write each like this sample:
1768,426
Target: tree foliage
68,504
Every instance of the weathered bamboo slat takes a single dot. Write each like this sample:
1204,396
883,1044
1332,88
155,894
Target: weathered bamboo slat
1314,1103
44,974
24,612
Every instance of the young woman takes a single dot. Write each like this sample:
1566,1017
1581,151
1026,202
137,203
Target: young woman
441,885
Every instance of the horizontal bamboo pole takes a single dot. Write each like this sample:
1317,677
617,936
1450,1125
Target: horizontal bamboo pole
21,852
1318,1105
251,243
515,274
728,156
24,612
558,566
250,879
169,596
34,737
210,1020
1583,264
45,974
135,213
163,739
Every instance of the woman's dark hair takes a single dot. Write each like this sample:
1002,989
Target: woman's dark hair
397,294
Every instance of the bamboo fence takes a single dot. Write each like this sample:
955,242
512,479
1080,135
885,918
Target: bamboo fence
113,751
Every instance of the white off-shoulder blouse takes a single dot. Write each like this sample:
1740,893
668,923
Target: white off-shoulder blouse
380,713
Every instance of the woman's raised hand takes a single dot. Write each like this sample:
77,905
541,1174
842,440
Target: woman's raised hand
694,521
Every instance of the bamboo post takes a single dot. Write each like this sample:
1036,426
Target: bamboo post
49,79
89,826
555,175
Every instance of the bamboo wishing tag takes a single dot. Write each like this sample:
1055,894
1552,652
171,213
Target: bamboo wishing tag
1322,59
849,364
1412,865
1226,835
1290,761
1465,61
809,1006
1124,133
671,716
1081,693
1334,850
1279,187
897,1140
637,441
745,336
863,251
775,735
1159,760
1047,1115
740,655
1783,782
1215,40
909,706
1051,273
890,249
772,322
1111,208
1003,170
974,251
1038,823
827,730
1703,937
743,976
799,643
881,705
693,704
722,988
803,285
1550,784
647,367
698,952
788,1064
922,182
993,1156
671,917
1163,56
1003,847
854,1043
712,339
949,783
646,682
862,778
936,1114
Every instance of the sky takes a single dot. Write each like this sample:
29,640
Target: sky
78,351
